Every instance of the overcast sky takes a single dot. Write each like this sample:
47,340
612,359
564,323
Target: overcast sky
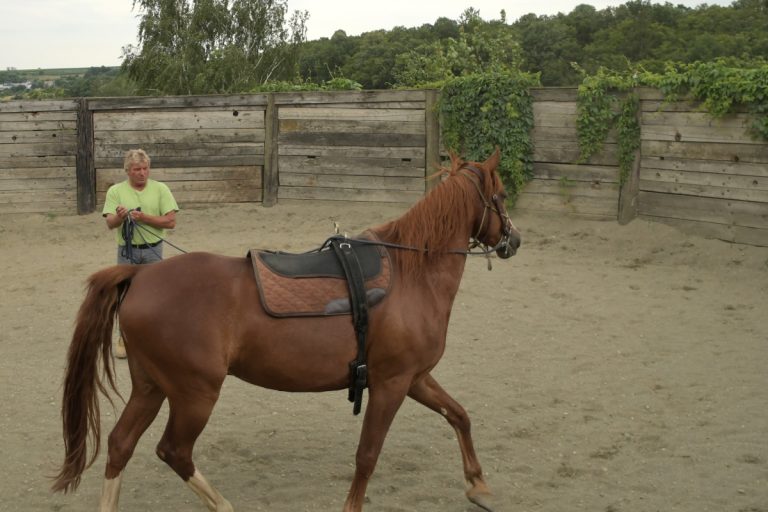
84,33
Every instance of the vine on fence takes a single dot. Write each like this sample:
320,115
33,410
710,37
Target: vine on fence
721,87
606,100
481,111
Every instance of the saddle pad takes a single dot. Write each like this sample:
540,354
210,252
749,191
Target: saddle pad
324,294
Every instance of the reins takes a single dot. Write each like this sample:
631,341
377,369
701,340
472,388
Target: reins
485,250
128,229
130,225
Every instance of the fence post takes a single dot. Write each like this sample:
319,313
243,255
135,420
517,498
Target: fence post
432,135
84,166
271,176
630,189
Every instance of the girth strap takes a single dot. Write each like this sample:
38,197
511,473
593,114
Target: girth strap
358,369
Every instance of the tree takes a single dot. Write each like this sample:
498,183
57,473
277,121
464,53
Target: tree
323,59
479,46
549,45
212,46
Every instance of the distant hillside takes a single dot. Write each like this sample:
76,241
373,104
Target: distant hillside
23,75
61,82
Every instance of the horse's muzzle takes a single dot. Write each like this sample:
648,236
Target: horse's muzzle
508,245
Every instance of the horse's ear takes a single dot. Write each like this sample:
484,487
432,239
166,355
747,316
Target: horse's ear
493,160
453,155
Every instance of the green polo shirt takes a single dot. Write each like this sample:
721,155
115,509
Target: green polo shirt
155,199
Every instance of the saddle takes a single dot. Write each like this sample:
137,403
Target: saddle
342,277
315,283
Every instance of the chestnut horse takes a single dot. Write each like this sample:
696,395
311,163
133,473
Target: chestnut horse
191,320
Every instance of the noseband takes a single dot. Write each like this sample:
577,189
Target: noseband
495,204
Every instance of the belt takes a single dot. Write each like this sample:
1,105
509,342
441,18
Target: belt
146,246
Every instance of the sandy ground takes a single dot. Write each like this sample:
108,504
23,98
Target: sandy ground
605,368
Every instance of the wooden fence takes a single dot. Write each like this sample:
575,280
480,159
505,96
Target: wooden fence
700,174
703,175
207,149
38,150
560,185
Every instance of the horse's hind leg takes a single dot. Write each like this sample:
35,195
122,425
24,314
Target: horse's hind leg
429,393
142,407
187,418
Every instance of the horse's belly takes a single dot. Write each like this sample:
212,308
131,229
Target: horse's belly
297,354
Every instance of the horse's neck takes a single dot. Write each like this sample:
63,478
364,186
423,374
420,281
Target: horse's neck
445,271
439,274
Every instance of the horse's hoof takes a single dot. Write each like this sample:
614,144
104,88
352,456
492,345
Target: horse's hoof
484,501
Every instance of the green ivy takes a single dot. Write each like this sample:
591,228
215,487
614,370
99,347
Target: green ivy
335,84
722,87
481,111
600,109
628,128
606,100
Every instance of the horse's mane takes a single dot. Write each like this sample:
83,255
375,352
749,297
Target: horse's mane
433,221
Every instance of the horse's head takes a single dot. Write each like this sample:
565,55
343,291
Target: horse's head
493,227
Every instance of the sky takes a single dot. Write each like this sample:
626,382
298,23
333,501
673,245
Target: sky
84,33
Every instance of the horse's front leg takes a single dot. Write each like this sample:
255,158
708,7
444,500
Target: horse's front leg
429,393
384,399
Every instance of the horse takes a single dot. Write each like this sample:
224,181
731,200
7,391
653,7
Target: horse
191,320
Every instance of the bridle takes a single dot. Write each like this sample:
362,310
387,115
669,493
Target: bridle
495,204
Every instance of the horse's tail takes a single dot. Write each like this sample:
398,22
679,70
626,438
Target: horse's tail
91,340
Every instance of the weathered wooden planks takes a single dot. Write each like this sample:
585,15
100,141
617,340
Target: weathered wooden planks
703,174
39,106
346,98
207,149
216,102
561,184
571,201
353,113
350,146
189,191
38,147
341,164
178,120
349,194
106,177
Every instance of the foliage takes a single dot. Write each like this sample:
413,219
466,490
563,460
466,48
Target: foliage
605,100
479,48
479,112
74,83
600,110
335,84
87,84
628,127
638,33
721,86
547,46
214,46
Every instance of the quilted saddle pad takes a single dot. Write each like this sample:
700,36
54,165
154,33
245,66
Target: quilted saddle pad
313,284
